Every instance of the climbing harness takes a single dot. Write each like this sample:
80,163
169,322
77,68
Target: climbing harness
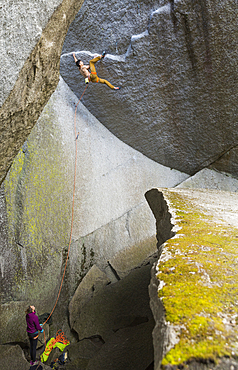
61,335
95,73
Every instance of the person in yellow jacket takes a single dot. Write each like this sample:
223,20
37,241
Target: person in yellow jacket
92,76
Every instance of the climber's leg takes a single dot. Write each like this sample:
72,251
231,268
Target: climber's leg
94,77
108,84
92,61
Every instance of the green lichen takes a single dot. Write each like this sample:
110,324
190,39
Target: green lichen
201,285
39,199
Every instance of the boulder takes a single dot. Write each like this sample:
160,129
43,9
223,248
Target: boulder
129,348
177,64
12,358
85,349
115,306
91,284
196,280
115,325
80,353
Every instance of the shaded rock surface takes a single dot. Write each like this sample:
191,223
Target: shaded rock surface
36,198
196,280
176,63
228,162
118,320
12,358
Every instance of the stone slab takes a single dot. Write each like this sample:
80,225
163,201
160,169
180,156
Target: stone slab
93,282
211,179
12,358
197,276
116,306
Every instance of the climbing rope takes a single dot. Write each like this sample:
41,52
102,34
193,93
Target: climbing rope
72,218
60,337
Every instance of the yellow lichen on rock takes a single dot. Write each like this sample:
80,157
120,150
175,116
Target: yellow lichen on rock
199,283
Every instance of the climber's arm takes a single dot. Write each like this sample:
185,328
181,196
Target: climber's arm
75,59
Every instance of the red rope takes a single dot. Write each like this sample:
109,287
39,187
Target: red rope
72,219
60,337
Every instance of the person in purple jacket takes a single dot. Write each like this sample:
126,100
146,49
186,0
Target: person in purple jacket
33,327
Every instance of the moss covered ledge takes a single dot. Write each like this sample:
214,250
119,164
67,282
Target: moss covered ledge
198,275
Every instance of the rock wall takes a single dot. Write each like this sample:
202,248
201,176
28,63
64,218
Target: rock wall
228,162
23,23
32,83
119,322
195,280
110,215
177,64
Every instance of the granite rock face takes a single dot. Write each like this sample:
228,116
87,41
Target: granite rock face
116,319
228,162
35,80
177,64
12,358
195,280
211,179
23,23
110,213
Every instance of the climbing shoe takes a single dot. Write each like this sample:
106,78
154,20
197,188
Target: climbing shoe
103,54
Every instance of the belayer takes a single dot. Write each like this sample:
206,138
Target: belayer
93,77
33,327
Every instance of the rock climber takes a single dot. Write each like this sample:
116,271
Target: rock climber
33,327
93,77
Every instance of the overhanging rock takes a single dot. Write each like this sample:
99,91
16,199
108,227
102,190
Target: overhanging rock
177,64
32,86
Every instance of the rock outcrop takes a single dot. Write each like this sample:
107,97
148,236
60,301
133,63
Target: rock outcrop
13,358
37,74
110,214
196,281
114,322
177,64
